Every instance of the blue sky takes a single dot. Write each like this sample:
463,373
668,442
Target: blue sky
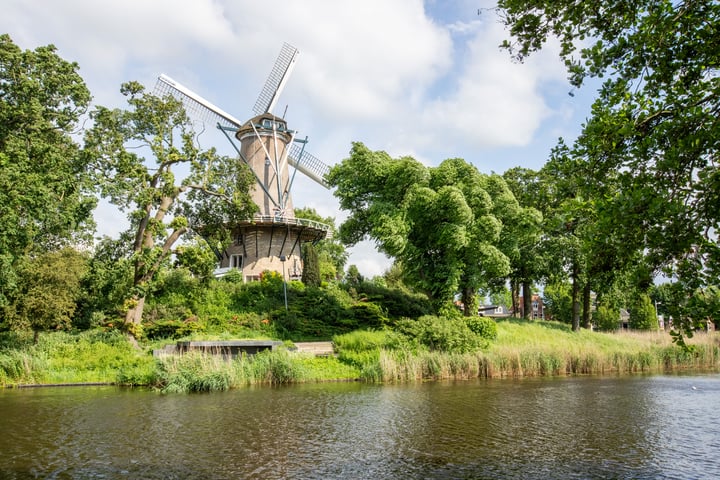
424,79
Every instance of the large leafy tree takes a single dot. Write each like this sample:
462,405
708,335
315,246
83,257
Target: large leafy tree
443,224
551,251
44,199
210,194
580,243
50,289
654,132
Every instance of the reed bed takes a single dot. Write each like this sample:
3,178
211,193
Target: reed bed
61,357
522,349
197,372
19,367
532,350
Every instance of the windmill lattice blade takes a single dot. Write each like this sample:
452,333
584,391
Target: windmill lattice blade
195,106
276,81
308,164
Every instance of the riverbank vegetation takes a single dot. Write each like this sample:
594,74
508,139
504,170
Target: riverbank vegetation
521,349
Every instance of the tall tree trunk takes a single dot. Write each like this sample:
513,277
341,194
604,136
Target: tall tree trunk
575,300
144,274
134,313
527,300
470,302
514,295
586,306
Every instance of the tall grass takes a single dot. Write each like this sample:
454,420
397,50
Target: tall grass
93,356
522,349
197,372
21,367
549,349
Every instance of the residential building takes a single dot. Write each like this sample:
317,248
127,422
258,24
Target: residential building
536,305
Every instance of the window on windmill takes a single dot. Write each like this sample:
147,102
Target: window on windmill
238,239
269,124
236,261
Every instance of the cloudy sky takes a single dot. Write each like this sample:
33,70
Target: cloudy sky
411,77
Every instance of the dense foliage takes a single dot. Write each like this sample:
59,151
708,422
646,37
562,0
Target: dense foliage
49,291
45,199
443,224
162,208
182,305
646,162
311,266
642,314
634,196
606,318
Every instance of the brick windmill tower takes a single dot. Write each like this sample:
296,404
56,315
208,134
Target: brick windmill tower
272,239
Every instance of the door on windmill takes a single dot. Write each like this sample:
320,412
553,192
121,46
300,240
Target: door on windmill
236,261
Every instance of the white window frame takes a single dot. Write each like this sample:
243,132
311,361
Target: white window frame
235,260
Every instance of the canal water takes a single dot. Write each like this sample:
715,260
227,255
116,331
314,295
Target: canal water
592,427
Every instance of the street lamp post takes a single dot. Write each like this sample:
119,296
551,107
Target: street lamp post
282,259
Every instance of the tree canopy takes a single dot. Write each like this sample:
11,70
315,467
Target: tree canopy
209,194
50,288
649,152
45,200
443,224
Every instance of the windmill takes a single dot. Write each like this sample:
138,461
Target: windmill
272,239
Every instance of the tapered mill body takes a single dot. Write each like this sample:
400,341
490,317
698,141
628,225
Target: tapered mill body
264,143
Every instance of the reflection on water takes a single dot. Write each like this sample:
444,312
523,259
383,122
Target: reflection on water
619,427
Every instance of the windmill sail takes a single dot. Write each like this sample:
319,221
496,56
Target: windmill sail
195,106
272,238
308,164
277,79
203,110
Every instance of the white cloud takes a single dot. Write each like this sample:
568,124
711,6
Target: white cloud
496,102
369,261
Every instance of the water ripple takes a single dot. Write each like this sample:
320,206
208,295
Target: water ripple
619,427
